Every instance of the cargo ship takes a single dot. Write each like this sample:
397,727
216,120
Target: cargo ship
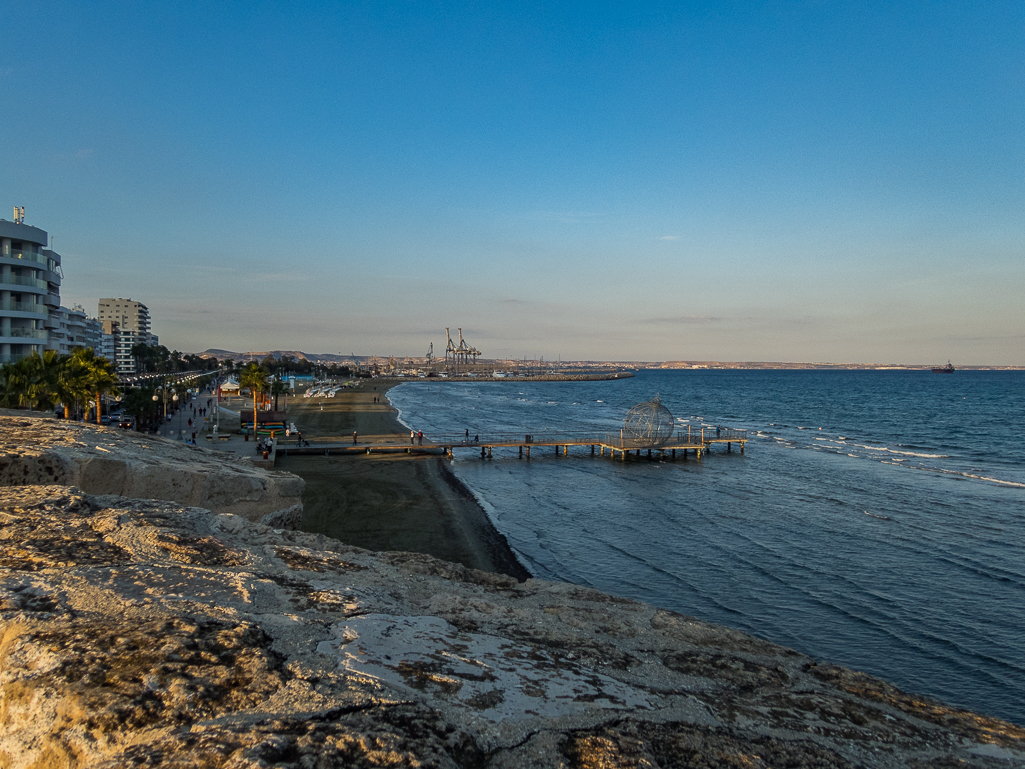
948,369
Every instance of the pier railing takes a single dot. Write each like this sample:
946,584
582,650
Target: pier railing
690,437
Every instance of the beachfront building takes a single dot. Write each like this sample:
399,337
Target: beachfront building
127,323
76,329
30,279
129,316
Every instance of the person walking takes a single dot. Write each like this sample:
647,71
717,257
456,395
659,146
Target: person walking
412,436
353,437
420,437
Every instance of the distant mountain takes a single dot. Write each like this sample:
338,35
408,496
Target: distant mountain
279,354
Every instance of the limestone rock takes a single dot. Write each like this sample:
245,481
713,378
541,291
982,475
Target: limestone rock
107,460
137,632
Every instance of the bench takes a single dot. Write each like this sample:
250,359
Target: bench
223,437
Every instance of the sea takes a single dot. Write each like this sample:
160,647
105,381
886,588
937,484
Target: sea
876,519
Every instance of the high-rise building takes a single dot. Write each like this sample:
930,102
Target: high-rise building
129,315
128,324
30,279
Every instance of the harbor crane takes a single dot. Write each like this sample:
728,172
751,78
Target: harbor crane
461,353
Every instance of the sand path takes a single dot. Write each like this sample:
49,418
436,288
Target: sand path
388,502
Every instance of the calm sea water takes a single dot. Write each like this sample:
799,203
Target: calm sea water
876,520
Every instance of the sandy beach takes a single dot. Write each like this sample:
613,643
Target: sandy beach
388,502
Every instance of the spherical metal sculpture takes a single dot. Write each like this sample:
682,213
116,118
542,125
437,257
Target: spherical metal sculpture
650,423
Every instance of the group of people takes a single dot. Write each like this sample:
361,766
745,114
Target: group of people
416,436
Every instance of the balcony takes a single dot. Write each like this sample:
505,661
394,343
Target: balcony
27,333
11,306
52,300
18,280
26,256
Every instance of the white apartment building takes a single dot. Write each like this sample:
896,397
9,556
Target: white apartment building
129,315
128,324
76,329
30,279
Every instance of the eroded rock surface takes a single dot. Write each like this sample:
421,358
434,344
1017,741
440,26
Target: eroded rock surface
141,633
107,460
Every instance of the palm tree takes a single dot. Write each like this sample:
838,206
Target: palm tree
74,387
100,376
11,384
277,387
253,376
34,381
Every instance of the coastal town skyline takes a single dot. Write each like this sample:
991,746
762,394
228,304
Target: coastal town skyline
654,183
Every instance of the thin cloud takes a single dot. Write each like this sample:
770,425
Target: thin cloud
685,319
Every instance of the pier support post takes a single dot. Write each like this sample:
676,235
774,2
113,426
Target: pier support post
592,449
649,453
482,452
521,452
565,450
742,445
528,452
489,452
674,454
729,447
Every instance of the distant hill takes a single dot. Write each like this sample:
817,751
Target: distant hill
279,354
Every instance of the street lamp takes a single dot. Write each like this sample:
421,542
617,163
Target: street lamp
164,390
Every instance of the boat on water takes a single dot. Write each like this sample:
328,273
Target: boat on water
948,369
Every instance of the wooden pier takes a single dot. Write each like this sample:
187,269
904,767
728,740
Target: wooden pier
688,442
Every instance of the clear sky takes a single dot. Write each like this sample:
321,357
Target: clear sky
793,180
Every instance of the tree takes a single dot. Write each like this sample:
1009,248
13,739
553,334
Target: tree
99,374
75,383
277,387
254,376
34,381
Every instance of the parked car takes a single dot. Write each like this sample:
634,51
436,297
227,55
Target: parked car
105,419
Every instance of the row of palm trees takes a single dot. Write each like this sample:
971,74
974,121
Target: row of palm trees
40,382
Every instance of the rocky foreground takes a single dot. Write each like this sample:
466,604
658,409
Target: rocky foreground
107,460
138,632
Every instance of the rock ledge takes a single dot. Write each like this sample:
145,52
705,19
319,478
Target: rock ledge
138,632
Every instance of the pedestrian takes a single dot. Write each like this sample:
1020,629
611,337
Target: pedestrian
412,435
353,437
717,430
467,433
420,437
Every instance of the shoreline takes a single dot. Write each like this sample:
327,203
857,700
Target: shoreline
390,502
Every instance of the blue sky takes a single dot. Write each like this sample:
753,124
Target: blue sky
794,181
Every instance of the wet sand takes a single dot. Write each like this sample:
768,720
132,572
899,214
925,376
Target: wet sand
388,502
